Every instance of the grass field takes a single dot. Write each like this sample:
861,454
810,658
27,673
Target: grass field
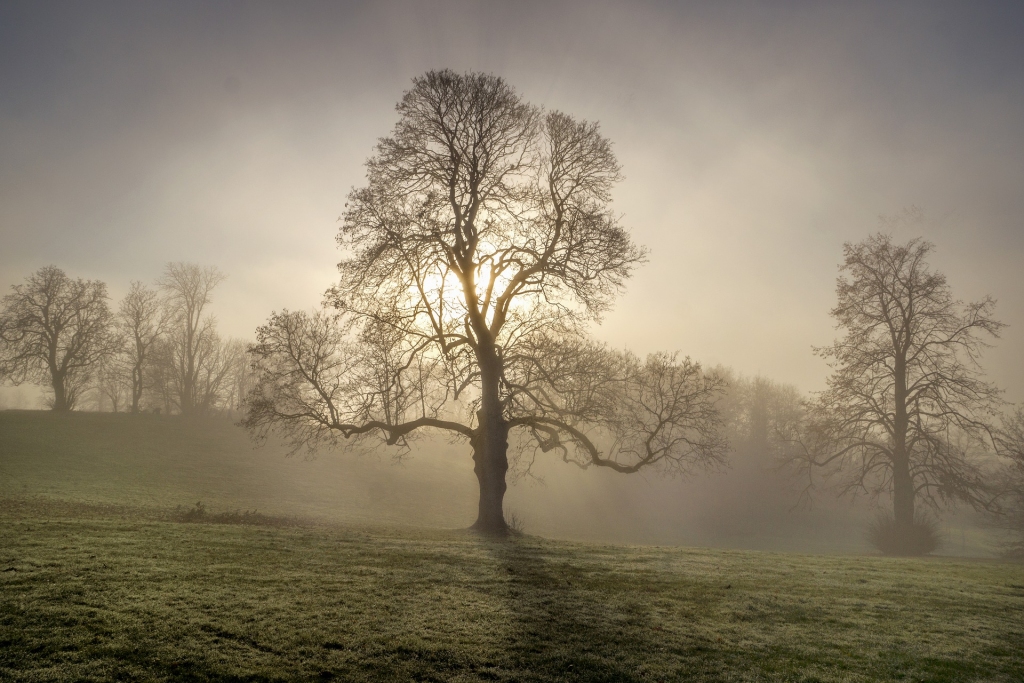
101,580
105,594
162,461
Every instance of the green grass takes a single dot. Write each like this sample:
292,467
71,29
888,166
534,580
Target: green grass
166,461
100,579
93,594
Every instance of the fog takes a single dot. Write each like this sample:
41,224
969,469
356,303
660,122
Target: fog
755,139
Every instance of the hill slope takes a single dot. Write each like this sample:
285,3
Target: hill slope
98,583
166,461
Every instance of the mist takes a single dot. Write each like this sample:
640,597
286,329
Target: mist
755,140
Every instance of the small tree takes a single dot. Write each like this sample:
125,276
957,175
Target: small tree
481,245
192,344
906,412
54,331
141,320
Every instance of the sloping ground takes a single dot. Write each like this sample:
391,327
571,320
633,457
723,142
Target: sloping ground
96,594
166,461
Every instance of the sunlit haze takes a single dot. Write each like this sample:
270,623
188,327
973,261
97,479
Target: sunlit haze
755,139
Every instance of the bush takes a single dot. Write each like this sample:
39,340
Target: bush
199,515
920,539
514,523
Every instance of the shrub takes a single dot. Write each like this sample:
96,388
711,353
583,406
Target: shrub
920,539
514,523
199,515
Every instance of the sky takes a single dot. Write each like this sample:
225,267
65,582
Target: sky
755,139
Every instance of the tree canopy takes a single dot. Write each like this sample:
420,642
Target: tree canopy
907,411
54,331
480,248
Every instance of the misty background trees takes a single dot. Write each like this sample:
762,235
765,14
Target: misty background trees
195,365
55,331
1010,480
141,322
482,245
160,351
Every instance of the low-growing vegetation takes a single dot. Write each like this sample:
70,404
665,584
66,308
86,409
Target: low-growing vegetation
111,570
920,538
105,595
198,514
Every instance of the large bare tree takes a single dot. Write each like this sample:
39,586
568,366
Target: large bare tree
54,331
907,411
481,246
191,345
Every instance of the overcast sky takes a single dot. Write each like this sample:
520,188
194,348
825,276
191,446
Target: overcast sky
756,138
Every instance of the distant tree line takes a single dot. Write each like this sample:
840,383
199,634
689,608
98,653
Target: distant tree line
159,350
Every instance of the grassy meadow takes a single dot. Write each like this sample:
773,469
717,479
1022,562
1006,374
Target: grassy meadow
101,578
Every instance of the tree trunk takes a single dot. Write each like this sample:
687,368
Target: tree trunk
490,454
60,397
902,496
136,388
902,482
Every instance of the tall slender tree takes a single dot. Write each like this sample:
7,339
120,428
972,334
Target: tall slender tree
141,320
907,410
191,337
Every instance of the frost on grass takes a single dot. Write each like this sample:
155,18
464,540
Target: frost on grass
148,599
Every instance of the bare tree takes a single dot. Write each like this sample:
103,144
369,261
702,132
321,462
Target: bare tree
141,320
113,385
480,247
192,342
54,330
1010,480
218,373
239,378
907,410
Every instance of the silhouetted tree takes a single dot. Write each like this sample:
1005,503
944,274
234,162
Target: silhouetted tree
54,331
906,411
189,354
481,245
141,319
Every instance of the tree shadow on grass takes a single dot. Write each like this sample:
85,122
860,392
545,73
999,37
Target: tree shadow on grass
572,622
